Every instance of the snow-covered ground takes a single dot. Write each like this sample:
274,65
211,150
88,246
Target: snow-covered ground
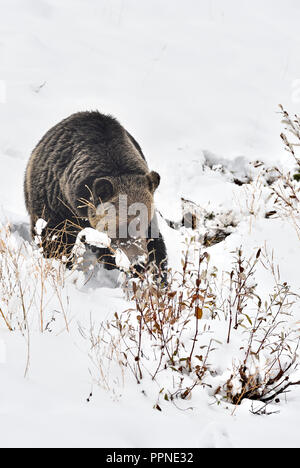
198,84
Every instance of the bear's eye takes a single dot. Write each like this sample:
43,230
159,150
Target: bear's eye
103,190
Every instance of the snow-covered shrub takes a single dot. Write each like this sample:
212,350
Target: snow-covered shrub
192,335
262,370
286,198
160,331
286,189
292,126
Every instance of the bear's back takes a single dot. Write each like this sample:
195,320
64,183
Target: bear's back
84,144
97,135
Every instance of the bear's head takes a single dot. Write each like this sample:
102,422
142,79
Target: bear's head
122,206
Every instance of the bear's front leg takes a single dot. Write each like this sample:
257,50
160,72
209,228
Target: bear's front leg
157,251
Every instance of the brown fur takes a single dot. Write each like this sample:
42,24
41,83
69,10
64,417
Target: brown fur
85,160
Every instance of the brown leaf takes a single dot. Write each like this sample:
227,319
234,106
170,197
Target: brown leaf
198,313
172,294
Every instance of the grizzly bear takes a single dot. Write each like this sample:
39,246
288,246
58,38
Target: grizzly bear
82,165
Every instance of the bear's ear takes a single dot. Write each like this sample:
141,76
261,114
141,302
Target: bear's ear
153,181
103,190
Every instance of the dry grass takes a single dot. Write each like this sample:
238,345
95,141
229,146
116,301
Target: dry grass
286,191
168,333
29,286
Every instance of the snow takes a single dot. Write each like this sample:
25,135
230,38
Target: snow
122,260
198,85
93,237
39,226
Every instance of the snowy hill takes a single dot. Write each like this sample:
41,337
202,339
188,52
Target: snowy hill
198,84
